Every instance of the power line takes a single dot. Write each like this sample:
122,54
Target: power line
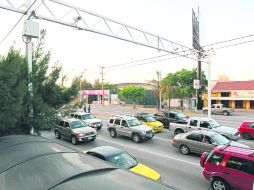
145,63
17,23
225,41
240,43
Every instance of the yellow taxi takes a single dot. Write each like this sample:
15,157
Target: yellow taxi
151,122
124,160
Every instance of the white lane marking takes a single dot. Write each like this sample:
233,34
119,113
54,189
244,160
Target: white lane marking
157,154
162,139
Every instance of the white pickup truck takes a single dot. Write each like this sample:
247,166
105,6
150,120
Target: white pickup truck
202,123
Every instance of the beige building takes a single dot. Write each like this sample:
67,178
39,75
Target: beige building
233,94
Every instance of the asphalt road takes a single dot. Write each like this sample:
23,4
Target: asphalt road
177,170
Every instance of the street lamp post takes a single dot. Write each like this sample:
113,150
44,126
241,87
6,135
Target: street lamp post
80,85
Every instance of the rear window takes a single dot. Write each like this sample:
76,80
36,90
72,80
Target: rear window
215,158
111,121
241,164
250,125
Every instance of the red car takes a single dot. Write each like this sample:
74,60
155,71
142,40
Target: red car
229,167
247,129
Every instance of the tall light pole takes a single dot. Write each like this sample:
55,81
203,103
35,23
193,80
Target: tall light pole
209,83
159,90
102,85
80,85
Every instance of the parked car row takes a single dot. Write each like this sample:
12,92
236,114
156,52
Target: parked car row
227,163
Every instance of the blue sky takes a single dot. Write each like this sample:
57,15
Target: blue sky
78,50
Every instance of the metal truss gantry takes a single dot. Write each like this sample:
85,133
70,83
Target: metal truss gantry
78,18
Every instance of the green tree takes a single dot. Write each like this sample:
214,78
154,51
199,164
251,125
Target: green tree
97,84
180,84
15,102
133,93
84,84
13,88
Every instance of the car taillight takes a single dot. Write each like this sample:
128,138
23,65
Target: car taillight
206,164
174,141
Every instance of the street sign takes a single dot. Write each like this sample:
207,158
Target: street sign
196,84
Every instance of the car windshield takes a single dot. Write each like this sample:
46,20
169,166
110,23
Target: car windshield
134,122
181,115
123,160
220,139
214,123
78,124
87,116
150,119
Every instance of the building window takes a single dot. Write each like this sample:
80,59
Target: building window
239,104
252,104
225,103
224,94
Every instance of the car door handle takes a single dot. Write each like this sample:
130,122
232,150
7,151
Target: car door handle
199,128
189,127
225,173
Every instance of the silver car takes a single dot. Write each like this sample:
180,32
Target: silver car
200,141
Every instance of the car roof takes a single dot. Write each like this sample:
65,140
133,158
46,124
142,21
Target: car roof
70,119
203,132
82,113
235,150
33,162
106,151
248,121
201,118
127,117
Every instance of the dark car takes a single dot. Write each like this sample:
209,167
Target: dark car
35,163
168,116
124,160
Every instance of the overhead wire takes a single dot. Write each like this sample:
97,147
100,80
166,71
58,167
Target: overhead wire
225,41
15,25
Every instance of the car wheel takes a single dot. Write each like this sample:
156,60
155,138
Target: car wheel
219,184
73,140
184,149
178,131
246,136
225,113
57,135
136,138
112,133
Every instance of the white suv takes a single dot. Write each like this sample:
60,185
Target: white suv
130,127
89,119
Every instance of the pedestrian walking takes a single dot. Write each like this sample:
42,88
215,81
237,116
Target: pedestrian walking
84,108
89,108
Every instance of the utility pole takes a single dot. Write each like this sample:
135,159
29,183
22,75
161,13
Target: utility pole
80,85
158,86
209,83
29,50
102,85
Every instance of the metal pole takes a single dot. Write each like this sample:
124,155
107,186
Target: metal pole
102,86
160,88
209,84
80,92
196,108
30,68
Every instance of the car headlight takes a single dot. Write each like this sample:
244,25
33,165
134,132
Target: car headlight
144,132
80,134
